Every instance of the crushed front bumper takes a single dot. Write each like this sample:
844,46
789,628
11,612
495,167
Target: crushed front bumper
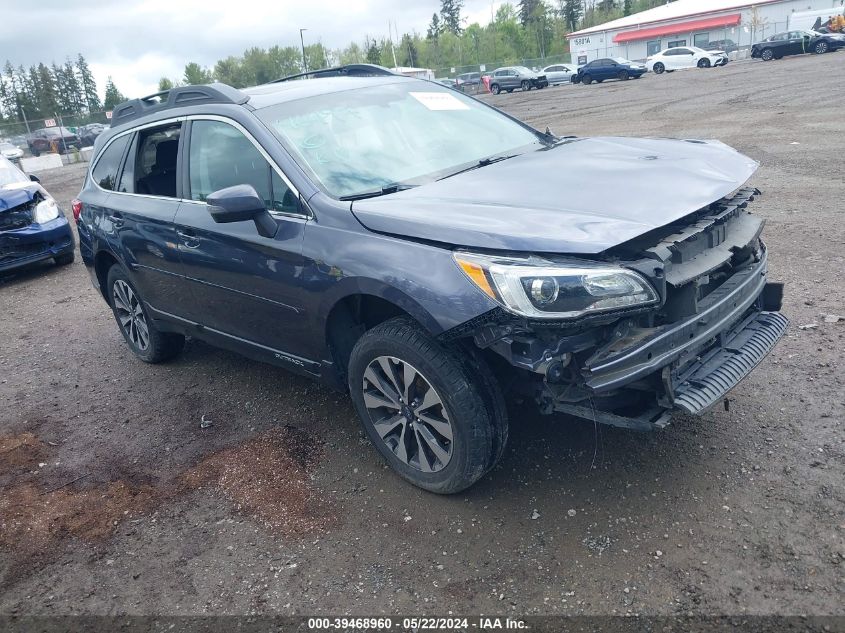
691,364
34,243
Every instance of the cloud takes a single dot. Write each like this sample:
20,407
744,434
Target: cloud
139,41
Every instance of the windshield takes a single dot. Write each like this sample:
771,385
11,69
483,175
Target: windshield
362,140
9,174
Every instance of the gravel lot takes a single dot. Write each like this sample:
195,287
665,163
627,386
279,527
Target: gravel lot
113,500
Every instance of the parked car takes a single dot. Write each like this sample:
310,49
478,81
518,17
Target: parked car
558,74
10,152
797,43
608,68
468,82
89,133
509,78
32,227
302,223
52,138
728,46
685,57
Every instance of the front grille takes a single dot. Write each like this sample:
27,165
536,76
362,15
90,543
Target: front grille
16,218
699,253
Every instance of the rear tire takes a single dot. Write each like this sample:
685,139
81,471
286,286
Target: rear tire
444,447
139,331
658,68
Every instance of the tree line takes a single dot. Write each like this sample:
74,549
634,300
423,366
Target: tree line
528,29
44,92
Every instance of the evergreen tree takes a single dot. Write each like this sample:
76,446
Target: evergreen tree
408,53
45,90
626,7
373,52
450,15
74,89
435,28
571,12
527,10
88,87
113,96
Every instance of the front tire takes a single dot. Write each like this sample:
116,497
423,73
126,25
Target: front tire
424,408
586,80
767,55
623,75
495,89
704,63
525,85
138,330
658,68
820,48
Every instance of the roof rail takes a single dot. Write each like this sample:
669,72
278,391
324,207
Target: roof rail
349,70
175,98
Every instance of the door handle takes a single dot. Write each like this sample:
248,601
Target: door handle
116,219
189,238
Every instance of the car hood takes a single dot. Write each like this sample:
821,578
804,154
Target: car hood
581,197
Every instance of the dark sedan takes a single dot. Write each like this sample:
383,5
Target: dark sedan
608,68
797,43
52,139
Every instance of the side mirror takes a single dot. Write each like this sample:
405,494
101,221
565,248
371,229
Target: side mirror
34,178
241,203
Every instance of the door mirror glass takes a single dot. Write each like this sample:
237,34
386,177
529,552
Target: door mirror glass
34,178
238,204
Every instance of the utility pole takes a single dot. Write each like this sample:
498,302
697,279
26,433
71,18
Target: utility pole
392,48
25,122
302,43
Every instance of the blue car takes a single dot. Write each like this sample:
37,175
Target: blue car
373,231
32,227
608,68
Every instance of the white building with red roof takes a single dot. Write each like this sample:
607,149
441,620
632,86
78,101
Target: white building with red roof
737,23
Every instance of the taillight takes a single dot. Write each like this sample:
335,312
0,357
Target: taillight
76,205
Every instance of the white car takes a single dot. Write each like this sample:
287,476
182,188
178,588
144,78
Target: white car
10,151
685,57
558,74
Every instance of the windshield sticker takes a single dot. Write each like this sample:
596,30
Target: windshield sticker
439,101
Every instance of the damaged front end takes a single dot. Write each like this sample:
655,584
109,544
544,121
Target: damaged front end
713,318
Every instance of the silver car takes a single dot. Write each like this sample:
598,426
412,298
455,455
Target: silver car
559,74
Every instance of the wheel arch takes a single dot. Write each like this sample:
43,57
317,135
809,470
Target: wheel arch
103,261
351,314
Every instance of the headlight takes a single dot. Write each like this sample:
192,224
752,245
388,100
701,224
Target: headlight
542,289
45,211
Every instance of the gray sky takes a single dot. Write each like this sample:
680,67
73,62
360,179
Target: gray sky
139,41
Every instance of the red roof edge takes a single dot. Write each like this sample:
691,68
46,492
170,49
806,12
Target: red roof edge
680,27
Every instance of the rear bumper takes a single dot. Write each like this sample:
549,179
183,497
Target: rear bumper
35,243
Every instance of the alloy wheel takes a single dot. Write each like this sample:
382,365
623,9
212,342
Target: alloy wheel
821,47
408,414
130,314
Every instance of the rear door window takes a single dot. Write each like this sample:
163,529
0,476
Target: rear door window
156,160
105,170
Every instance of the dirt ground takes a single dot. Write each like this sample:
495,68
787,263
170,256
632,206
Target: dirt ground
114,500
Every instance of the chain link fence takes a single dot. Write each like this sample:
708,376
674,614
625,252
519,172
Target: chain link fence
21,134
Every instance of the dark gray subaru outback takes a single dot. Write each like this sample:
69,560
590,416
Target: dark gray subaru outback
372,231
